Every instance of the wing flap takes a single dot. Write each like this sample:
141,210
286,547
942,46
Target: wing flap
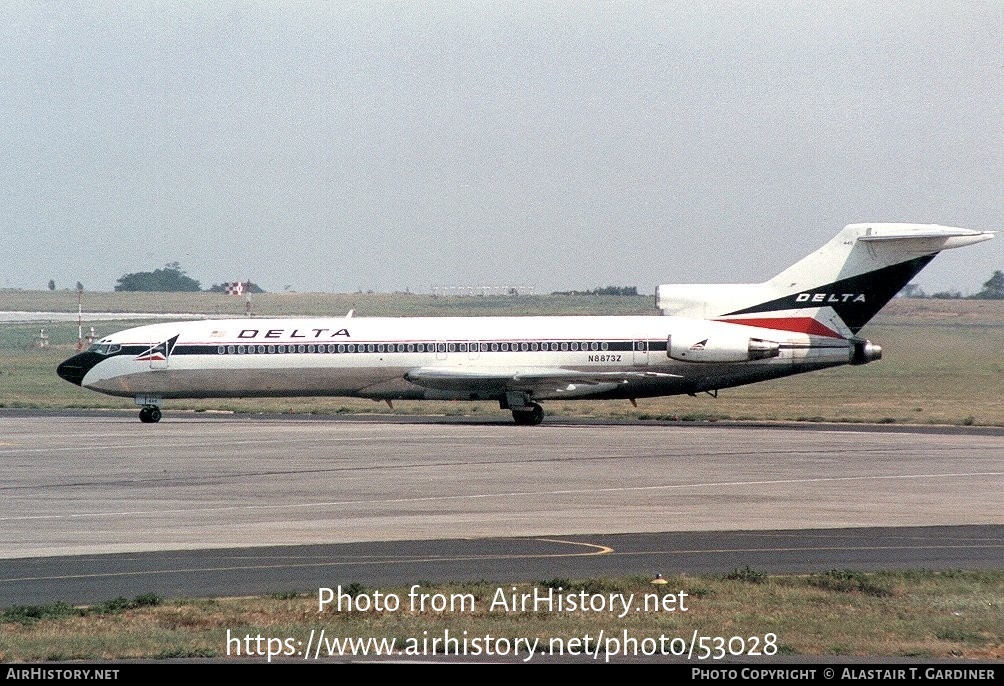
521,379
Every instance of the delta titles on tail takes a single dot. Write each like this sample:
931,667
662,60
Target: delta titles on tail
712,336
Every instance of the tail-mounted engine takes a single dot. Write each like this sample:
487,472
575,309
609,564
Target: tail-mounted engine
720,347
863,352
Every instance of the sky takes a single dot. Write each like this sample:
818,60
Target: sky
389,146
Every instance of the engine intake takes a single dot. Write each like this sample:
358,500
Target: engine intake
720,348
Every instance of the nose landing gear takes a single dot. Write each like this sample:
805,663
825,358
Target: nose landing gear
149,412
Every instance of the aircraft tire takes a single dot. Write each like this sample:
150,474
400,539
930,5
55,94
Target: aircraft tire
149,414
536,414
531,417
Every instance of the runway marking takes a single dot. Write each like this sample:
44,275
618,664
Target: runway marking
511,494
461,558
600,549
716,551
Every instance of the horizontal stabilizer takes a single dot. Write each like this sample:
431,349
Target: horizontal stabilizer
932,232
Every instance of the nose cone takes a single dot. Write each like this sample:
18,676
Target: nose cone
75,369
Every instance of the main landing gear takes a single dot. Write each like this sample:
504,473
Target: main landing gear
524,412
149,414
531,415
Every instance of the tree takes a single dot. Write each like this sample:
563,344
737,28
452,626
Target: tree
947,295
608,290
169,279
52,284
993,288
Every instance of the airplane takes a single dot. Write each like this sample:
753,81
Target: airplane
710,337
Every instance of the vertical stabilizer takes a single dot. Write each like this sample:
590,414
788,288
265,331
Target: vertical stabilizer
832,292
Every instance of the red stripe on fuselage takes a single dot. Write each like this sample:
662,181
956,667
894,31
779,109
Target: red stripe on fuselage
806,325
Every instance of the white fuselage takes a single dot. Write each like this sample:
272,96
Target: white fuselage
449,358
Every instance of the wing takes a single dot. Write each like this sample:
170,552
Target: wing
536,381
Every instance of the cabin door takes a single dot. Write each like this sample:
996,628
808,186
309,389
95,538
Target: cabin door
640,353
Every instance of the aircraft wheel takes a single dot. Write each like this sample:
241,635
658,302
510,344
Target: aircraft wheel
149,414
530,417
536,414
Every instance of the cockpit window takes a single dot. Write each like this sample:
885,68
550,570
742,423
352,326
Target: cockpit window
105,348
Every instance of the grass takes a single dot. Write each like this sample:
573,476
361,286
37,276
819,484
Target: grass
893,614
324,304
29,614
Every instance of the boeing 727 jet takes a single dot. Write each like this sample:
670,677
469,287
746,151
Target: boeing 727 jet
712,336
